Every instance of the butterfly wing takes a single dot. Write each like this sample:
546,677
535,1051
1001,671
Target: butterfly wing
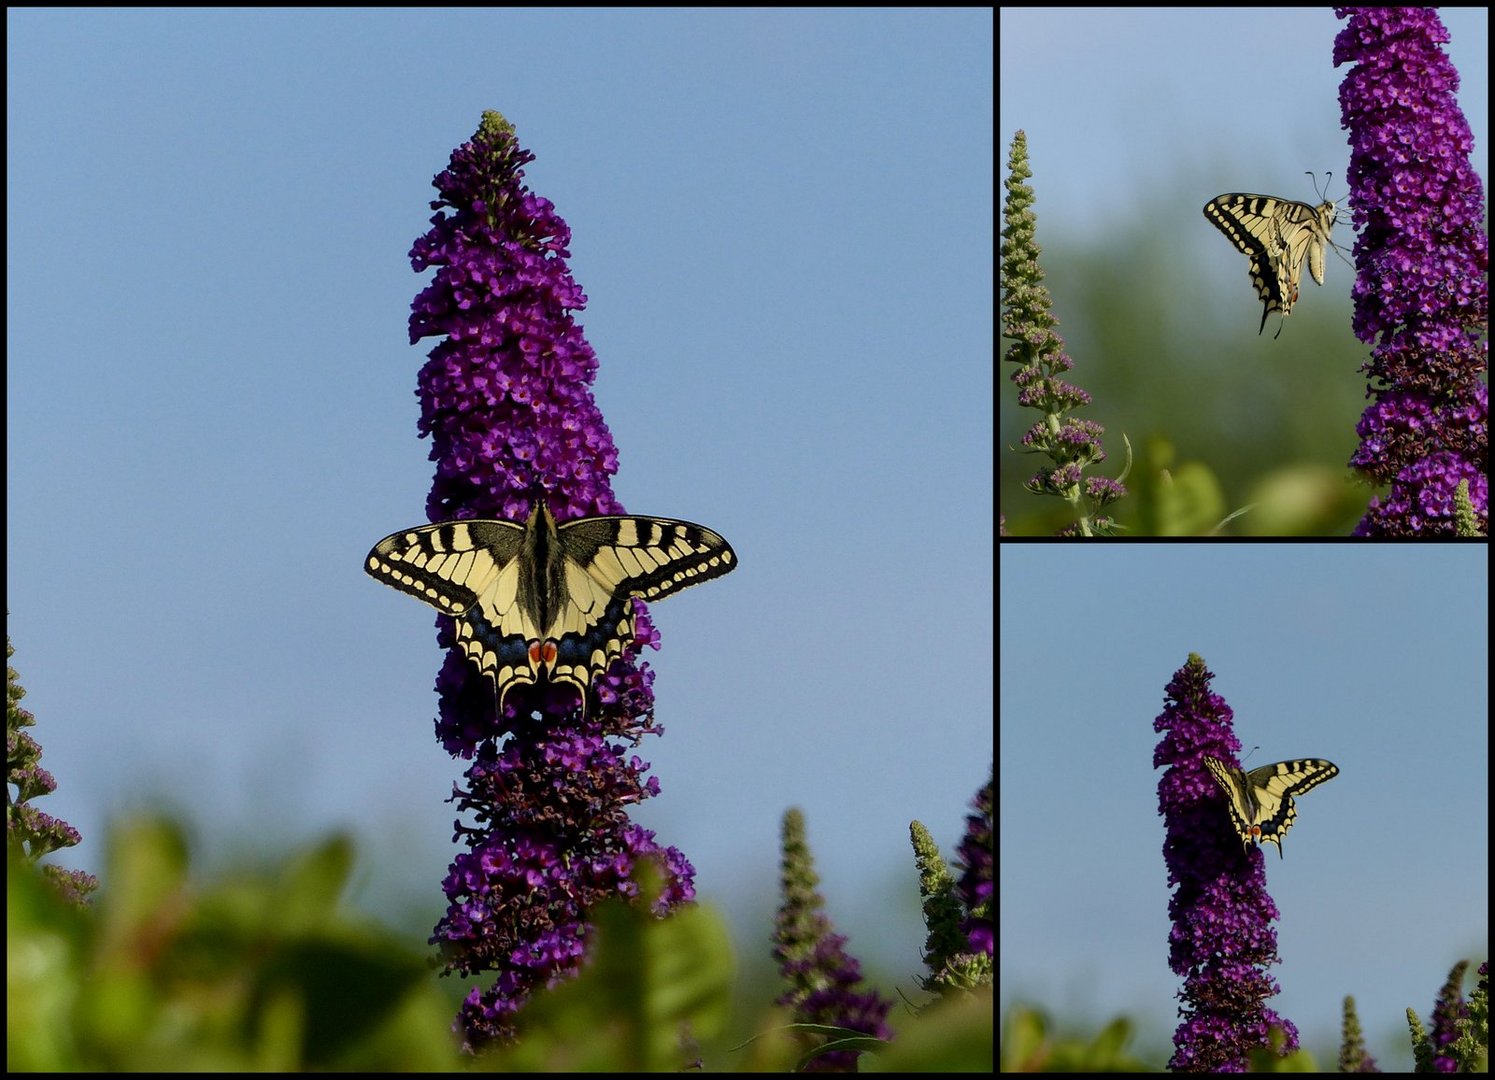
608,562
469,570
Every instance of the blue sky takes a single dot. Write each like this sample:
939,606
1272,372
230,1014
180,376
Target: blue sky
1120,104
1374,657
783,223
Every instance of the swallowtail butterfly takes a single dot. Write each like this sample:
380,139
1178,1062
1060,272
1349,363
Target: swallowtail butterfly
1275,234
542,601
1261,801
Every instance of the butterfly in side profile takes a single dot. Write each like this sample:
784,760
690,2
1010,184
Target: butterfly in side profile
1261,801
1276,235
544,601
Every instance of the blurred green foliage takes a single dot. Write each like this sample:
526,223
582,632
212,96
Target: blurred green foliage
1028,1045
270,971
257,973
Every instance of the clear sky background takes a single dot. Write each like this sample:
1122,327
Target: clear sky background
783,223
1120,104
1135,118
1374,657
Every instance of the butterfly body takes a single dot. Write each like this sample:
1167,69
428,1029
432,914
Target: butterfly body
1276,235
1260,802
547,602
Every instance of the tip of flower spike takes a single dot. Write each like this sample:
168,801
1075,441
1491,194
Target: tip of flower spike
494,123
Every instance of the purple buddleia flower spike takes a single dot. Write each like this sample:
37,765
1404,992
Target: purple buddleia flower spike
506,399
823,978
1439,1052
1222,941
1421,295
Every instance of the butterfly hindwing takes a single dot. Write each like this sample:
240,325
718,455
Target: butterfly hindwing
546,602
1260,802
1275,235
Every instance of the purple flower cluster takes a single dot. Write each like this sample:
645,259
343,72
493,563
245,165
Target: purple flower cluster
506,394
33,834
823,978
1441,1053
1222,941
1423,258
506,399
975,884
